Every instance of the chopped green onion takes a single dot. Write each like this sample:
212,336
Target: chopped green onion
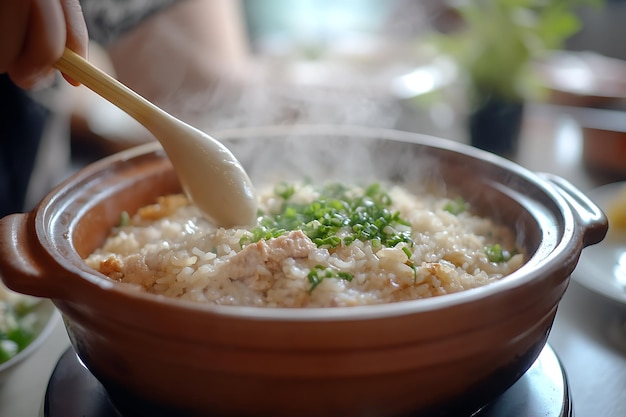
22,336
495,253
8,349
284,190
456,206
409,262
320,273
124,219
16,328
336,212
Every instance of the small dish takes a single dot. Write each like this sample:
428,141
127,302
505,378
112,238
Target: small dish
602,267
45,317
582,79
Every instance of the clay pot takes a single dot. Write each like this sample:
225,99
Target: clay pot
159,356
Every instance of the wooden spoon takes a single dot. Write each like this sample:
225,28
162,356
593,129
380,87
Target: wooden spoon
209,173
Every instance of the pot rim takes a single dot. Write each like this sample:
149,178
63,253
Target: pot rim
556,252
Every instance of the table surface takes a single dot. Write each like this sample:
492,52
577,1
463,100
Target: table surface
589,335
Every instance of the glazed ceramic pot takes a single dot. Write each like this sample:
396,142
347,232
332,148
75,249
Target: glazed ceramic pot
160,356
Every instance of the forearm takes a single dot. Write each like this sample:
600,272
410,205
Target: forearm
191,47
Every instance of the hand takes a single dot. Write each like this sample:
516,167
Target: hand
33,35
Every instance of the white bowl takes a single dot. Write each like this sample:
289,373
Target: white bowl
46,318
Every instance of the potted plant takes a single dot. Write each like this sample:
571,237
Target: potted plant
494,45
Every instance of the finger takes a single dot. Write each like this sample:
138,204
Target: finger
76,28
14,17
77,39
43,44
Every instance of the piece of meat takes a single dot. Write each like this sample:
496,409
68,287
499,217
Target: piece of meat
112,267
164,206
267,254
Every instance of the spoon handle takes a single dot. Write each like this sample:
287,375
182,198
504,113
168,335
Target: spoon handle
81,70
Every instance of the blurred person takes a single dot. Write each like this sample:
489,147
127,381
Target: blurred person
163,49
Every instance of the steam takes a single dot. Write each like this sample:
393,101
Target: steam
349,88
348,82
321,153
265,102
268,103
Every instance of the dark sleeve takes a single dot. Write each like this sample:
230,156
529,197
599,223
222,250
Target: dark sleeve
108,19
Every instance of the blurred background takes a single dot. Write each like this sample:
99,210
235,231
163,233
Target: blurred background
542,83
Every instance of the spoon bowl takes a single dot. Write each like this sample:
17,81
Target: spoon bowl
209,173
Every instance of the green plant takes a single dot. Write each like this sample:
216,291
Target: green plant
499,39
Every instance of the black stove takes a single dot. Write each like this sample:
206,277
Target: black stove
542,392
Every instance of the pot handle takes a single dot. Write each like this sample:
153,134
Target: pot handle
590,216
23,265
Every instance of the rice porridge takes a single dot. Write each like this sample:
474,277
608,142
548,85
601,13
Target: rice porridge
313,246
